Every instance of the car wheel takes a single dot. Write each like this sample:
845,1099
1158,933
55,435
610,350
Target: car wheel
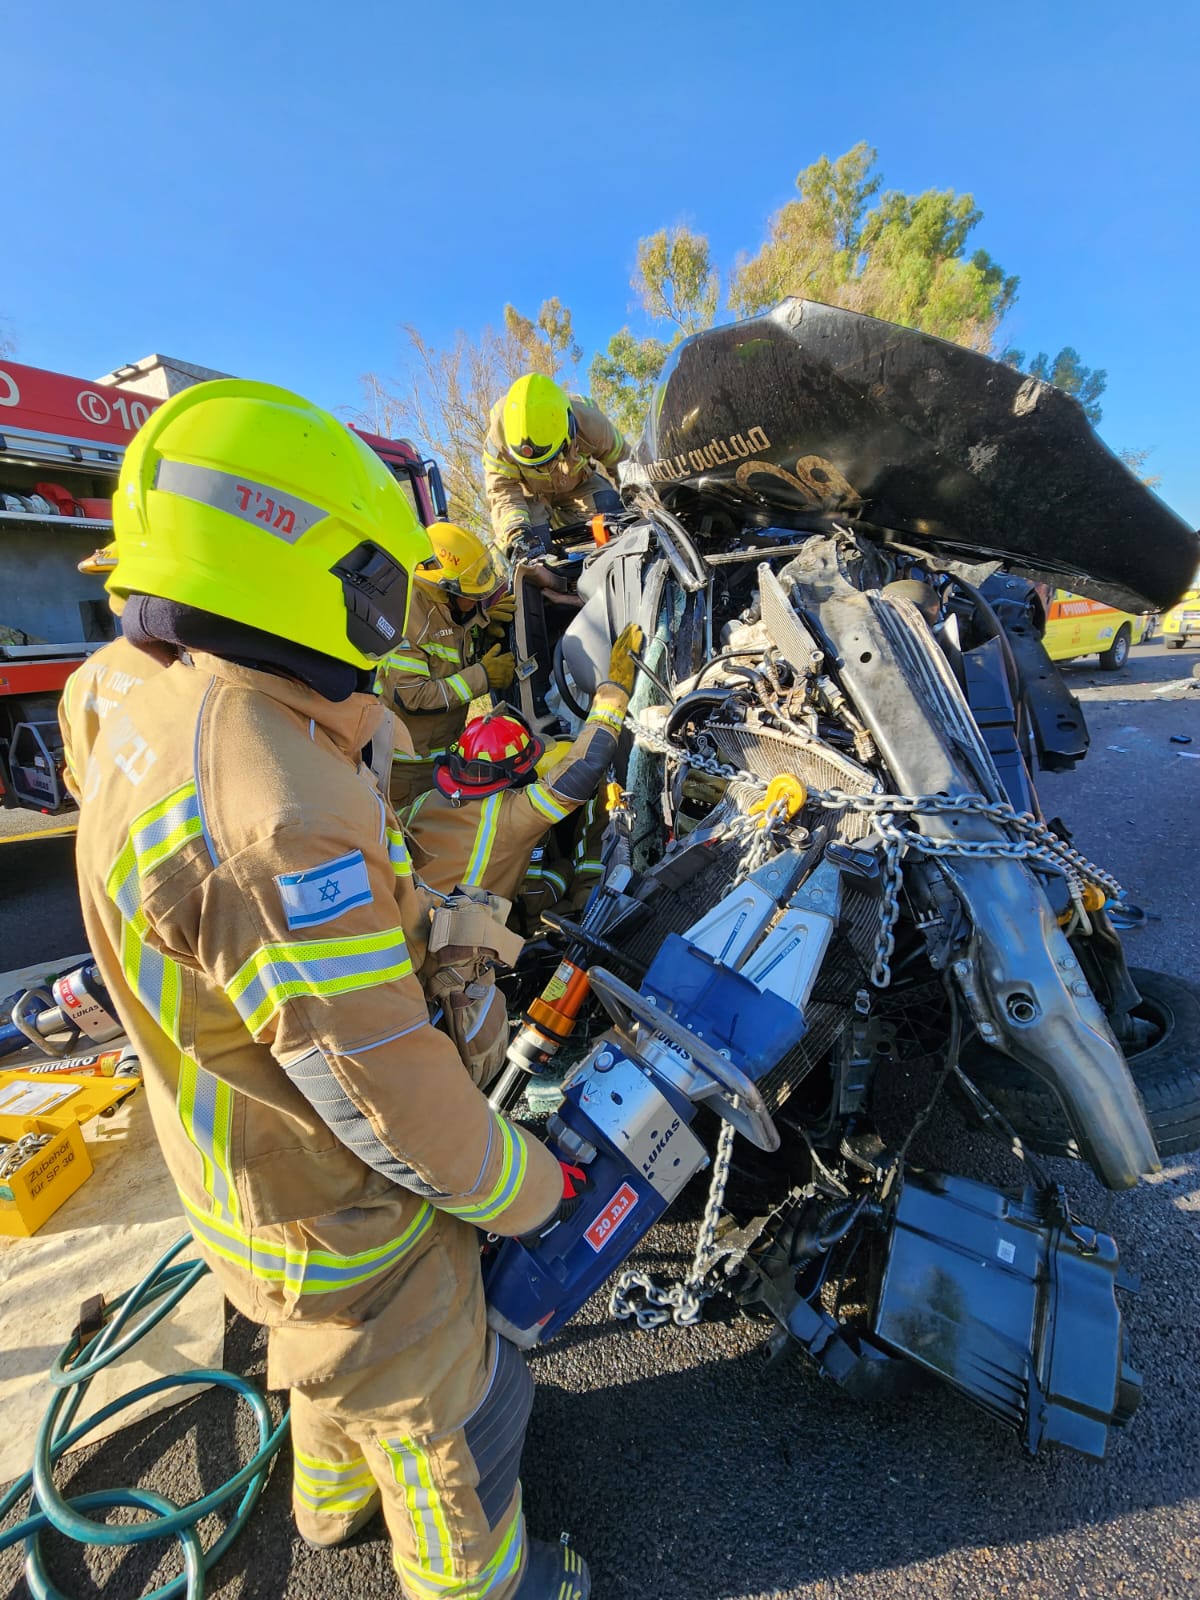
1117,654
1177,644
1166,1072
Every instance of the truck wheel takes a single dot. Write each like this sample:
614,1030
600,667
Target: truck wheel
1166,1072
1117,654
1178,642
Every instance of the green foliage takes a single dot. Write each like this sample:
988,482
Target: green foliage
546,344
677,285
623,377
443,397
844,240
903,258
675,279
1066,372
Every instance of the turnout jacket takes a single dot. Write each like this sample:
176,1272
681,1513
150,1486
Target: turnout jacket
432,676
511,484
249,901
488,843
95,692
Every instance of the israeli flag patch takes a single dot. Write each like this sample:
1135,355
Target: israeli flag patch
325,892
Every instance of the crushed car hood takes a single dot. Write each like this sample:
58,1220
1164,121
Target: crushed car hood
810,411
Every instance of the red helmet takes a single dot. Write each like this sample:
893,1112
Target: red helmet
492,752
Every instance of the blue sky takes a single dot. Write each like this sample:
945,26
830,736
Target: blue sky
274,188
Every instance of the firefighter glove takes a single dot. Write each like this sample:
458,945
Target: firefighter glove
530,543
575,1185
504,609
622,664
500,667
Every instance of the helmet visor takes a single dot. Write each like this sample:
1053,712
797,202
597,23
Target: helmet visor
538,455
375,589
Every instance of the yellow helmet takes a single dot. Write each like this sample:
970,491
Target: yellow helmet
247,501
461,563
100,561
538,420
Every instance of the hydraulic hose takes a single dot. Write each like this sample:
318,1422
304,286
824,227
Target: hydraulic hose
161,1290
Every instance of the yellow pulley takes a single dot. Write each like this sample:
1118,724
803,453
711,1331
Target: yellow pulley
786,788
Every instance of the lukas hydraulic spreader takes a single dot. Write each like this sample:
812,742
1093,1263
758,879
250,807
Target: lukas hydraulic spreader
716,1010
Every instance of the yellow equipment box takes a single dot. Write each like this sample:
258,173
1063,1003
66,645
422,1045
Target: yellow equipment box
51,1174
57,1099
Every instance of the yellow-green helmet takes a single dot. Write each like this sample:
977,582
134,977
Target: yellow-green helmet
250,502
538,420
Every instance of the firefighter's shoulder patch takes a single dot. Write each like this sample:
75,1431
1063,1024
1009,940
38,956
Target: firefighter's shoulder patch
322,893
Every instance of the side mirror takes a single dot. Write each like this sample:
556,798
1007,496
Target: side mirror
437,489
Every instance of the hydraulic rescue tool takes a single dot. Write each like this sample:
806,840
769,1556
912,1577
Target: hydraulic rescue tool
75,1006
717,1008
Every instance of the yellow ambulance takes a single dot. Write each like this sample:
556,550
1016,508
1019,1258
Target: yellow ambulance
1182,622
1076,626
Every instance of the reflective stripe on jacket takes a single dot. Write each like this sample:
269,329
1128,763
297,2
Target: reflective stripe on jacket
249,900
432,676
511,484
487,843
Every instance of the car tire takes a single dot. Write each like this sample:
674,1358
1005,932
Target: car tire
1117,654
1167,1075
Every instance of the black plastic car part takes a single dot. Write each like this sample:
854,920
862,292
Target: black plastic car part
1014,1304
811,412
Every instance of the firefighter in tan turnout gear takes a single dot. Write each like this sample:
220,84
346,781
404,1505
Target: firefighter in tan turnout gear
249,900
488,809
451,652
543,463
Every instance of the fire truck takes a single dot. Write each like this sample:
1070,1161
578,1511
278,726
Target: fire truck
61,443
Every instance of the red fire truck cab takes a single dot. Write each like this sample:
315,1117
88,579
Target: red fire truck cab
61,443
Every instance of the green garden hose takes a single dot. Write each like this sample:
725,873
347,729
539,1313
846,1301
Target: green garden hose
163,1287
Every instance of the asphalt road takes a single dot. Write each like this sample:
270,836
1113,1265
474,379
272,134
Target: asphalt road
684,1474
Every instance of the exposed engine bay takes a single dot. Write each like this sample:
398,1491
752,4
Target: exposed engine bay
827,858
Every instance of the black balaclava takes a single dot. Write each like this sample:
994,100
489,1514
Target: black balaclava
148,620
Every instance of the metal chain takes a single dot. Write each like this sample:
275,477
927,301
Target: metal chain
659,745
889,899
1035,841
15,1155
636,1294
652,1305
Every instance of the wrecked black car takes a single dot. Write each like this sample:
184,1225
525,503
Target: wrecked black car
827,859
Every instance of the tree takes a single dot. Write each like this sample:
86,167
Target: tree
676,281
676,284
443,395
623,378
1136,460
903,258
1068,373
547,345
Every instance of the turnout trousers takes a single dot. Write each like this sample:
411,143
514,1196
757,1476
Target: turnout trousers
560,510
439,1441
